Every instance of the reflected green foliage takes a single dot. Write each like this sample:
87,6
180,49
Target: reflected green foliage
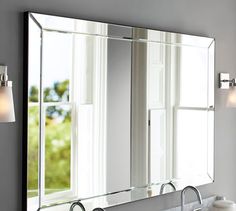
53,112
59,92
57,140
34,94
33,137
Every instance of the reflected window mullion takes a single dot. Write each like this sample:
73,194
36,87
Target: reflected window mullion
42,154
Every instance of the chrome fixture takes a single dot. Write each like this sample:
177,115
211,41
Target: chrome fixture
226,83
165,184
7,113
183,195
77,204
98,209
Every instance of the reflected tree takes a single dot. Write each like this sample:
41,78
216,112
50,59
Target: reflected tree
57,139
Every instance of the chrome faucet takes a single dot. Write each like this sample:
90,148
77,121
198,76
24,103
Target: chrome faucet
77,203
183,195
165,184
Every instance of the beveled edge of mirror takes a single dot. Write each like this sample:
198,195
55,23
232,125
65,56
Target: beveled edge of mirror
129,33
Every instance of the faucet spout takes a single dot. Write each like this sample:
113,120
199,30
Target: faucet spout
165,184
77,204
98,209
199,197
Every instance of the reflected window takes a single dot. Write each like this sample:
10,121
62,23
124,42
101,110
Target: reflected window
66,102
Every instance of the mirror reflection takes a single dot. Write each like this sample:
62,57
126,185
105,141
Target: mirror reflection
114,109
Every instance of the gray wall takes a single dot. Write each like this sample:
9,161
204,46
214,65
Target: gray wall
215,18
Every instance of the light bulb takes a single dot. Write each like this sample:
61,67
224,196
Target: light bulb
231,98
4,104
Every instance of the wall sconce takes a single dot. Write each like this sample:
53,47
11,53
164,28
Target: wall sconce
226,83
7,113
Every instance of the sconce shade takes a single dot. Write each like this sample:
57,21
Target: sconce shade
231,98
7,113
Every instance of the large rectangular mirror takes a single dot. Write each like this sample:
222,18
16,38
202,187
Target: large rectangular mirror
114,112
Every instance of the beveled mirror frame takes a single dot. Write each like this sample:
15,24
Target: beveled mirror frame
117,197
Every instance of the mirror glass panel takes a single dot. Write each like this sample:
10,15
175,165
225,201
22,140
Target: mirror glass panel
115,112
